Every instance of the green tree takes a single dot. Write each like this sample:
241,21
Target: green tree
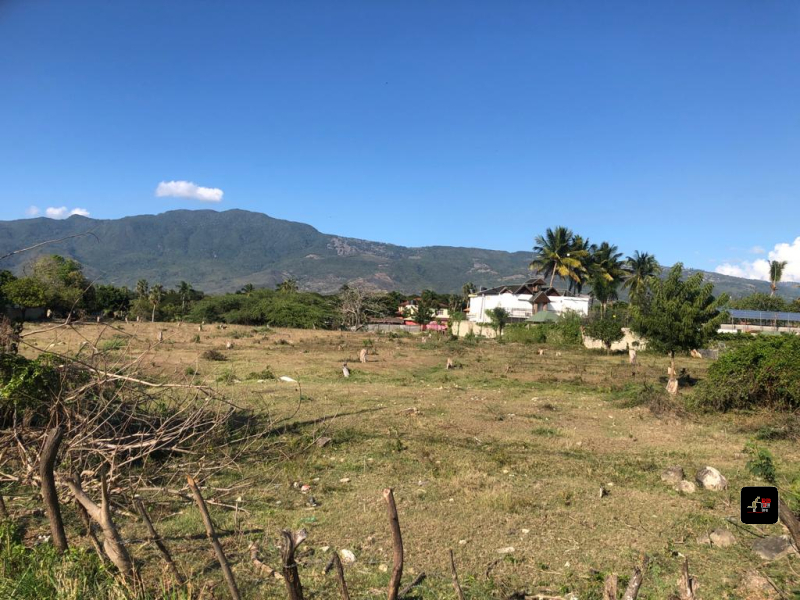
498,318
65,286
288,286
155,297
679,315
762,301
640,269
26,292
421,313
185,292
5,277
607,329
247,289
142,288
776,268
554,255
606,273
466,290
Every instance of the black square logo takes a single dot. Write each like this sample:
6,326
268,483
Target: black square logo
759,505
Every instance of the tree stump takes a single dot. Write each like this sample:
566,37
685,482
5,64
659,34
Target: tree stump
345,370
632,357
362,356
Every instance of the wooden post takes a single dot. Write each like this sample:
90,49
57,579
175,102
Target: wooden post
212,537
337,564
49,494
397,545
686,583
632,592
610,587
159,543
454,573
291,575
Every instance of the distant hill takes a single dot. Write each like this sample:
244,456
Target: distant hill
222,251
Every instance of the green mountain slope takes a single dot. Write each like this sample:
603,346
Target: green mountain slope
222,251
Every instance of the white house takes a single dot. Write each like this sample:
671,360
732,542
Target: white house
522,301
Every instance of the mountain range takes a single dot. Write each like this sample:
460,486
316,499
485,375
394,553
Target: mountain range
222,251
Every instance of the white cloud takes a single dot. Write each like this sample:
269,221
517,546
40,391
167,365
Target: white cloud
759,269
62,212
32,211
188,189
757,250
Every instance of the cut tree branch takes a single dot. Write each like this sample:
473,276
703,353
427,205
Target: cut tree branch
397,545
291,575
49,493
212,537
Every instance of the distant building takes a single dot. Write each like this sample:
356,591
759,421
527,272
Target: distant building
523,301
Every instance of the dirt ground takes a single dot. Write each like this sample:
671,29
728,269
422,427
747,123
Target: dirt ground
501,459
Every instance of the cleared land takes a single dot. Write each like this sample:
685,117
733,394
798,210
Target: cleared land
508,450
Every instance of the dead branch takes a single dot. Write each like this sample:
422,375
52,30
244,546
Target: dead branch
46,242
397,545
337,564
454,573
3,510
212,537
417,580
789,519
159,543
112,541
90,532
49,494
264,568
632,591
686,583
291,575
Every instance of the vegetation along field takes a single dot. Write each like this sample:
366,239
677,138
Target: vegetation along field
540,466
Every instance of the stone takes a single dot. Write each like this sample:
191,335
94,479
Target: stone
323,441
755,583
344,480
672,475
506,550
347,557
704,539
711,479
687,487
722,538
773,547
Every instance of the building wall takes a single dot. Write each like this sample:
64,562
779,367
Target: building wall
520,306
624,344
463,328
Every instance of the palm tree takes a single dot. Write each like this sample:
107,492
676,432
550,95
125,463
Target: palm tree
156,295
289,286
640,269
142,288
606,273
583,250
185,292
247,289
776,268
553,255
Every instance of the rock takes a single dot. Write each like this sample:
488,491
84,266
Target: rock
323,441
711,479
506,550
672,475
347,557
383,568
344,480
704,539
758,584
773,547
687,487
722,538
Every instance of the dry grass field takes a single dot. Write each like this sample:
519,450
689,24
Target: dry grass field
501,459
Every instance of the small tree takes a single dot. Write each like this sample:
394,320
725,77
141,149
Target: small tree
288,286
498,318
776,268
422,313
679,314
607,329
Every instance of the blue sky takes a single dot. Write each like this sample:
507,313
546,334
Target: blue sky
669,127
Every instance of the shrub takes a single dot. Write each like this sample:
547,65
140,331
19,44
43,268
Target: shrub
566,331
265,373
764,373
212,354
607,329
523,334
227,376
26,384
761,463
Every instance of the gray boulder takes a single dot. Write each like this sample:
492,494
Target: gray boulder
711,479
672,475
722,538
773,547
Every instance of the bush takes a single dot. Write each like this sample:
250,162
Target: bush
26,384
524,334
764,373
265,373
215,355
